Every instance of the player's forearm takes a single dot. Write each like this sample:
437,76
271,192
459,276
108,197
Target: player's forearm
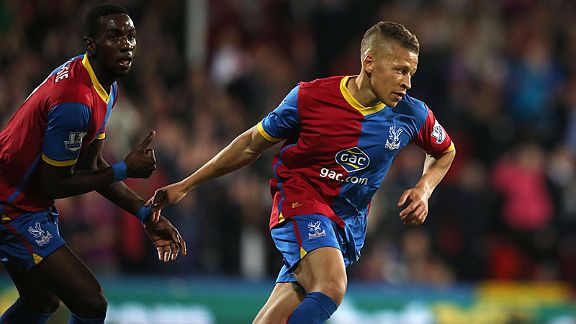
79,182
122,196
119,193
87,175
236,155
435,168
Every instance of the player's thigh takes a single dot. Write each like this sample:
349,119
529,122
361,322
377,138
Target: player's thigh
285,297
323,270
24,243
67,277
302,235
311,246
33,293
32,244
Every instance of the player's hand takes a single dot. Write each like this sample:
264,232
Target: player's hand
141,162
168,241
168,195
414,206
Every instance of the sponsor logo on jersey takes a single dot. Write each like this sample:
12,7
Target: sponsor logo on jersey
315,230
438,133
353,159
393,141
42,236
74,142
331,174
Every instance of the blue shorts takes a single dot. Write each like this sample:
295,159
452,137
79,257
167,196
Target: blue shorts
303,234
28,239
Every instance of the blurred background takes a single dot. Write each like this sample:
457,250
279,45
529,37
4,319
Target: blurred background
499,244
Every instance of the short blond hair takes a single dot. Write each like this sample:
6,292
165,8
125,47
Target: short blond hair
384,31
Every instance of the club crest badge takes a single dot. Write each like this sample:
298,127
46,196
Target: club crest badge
42,236
315,230
393,141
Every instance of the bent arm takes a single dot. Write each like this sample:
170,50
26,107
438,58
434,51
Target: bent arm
64,181
117,192
435,169
414,202
90,173
67,124
243,150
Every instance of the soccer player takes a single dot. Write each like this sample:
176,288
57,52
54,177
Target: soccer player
340,136
52,148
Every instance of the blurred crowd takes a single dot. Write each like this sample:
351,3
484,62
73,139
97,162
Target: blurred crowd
499,75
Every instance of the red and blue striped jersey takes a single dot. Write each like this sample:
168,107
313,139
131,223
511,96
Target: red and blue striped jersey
337,152
59,119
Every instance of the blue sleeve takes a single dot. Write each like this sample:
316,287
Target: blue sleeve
67,126
282,122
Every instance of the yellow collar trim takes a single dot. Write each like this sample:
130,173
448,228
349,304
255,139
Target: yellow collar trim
99,89
354,103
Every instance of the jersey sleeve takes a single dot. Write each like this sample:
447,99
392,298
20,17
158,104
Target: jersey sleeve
67,126
282,122
433,138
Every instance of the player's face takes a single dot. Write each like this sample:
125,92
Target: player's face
391,72
116,44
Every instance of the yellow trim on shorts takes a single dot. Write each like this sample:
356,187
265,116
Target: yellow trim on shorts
101,136
37,258
302,252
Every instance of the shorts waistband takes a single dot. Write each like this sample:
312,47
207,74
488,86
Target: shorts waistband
8,212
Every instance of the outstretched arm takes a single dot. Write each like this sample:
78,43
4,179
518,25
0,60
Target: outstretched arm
243,150
414,202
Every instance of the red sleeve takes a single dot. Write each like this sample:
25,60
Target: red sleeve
433,138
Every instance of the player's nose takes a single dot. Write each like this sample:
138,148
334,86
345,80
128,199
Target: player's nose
127,44
407,82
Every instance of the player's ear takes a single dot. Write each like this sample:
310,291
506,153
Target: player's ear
90,46
368,63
